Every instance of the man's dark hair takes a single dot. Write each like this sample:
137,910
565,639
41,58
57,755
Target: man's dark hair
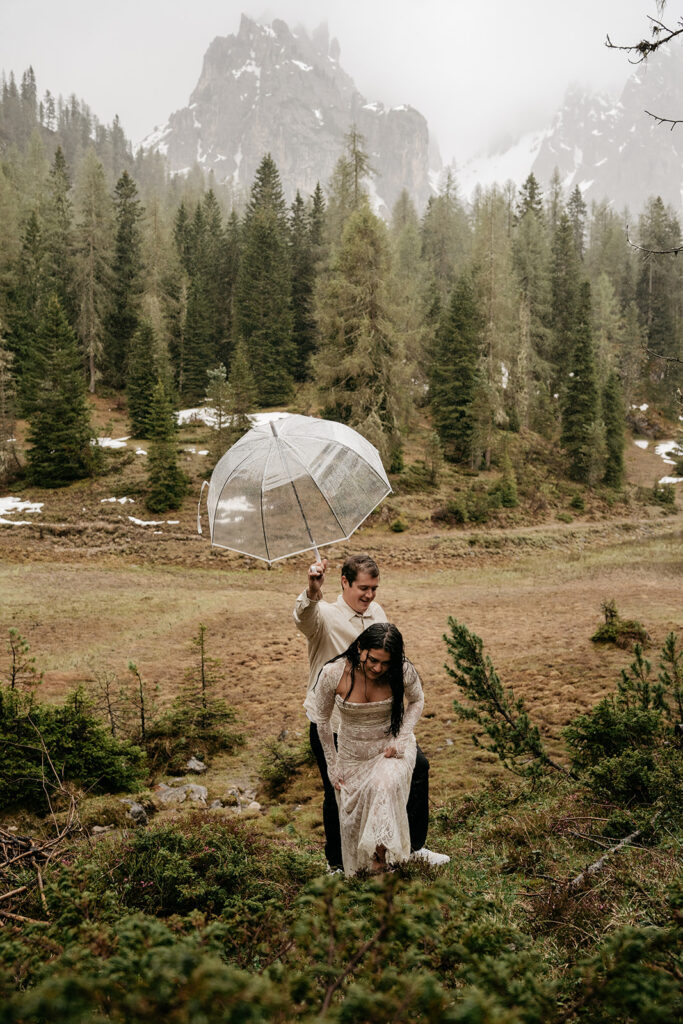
359,563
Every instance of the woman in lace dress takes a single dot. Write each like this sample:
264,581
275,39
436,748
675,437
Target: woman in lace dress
372,768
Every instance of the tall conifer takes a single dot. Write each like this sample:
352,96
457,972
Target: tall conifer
581,399
167,483
60,432
127,282
141,378
358,367
263,293
613,416
453,376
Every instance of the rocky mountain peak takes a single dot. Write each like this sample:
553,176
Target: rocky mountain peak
272,89
607,146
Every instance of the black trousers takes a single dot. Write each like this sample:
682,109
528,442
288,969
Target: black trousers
417,806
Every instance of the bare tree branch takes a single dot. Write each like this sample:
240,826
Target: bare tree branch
653,252
665,120
642,50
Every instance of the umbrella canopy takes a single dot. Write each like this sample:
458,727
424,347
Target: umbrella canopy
292,485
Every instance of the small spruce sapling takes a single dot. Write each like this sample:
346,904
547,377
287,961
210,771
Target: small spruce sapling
498,713
21,671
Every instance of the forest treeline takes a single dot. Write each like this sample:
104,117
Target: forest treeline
522,309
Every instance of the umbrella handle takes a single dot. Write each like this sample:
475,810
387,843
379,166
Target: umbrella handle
199,507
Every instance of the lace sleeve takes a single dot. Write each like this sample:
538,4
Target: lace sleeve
414,698
325,690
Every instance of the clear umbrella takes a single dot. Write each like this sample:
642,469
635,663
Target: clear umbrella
292,485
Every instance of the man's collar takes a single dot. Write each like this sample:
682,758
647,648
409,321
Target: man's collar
369,614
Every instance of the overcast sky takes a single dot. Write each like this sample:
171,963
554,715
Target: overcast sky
476,69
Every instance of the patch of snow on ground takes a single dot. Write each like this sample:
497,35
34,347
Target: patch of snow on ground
642,444
304,67
671,480
666,449
147,522
140,451
644,408
121,501
204,414
111,442
194,451
9,505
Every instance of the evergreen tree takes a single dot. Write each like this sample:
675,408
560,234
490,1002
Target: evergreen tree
531,260
25,308
409,285
454,377
580,404
126,282
263,292
445,237
316,223
159,303
219,399
348,186
659,292
303,279
530,199
243,389
140,379
565,291
497,298
9,462
632,355
60,433
554,202
58,237
613,416
359,364
576,211
94,244
167,484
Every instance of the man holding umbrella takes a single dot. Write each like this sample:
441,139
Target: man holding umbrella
329,629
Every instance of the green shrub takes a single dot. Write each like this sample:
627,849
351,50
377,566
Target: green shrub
577,502
203,864
185,731
616,630
80,749
280,763
398,526
664,495
626,745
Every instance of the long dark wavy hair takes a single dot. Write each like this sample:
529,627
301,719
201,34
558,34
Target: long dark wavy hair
381,636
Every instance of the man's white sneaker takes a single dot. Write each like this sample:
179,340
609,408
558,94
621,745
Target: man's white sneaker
430,856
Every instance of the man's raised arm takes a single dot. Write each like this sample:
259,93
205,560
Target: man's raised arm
306,611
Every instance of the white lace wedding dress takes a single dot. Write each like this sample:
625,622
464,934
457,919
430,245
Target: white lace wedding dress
373,797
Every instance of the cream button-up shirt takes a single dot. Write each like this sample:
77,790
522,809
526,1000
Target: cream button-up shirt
329,629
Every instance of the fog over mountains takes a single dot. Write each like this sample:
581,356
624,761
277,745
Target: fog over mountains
271,89
610,148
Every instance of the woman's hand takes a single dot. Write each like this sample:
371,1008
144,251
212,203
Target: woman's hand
391,752
338,785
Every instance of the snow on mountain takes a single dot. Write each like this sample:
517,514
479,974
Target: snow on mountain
269,89
607,146
510,164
